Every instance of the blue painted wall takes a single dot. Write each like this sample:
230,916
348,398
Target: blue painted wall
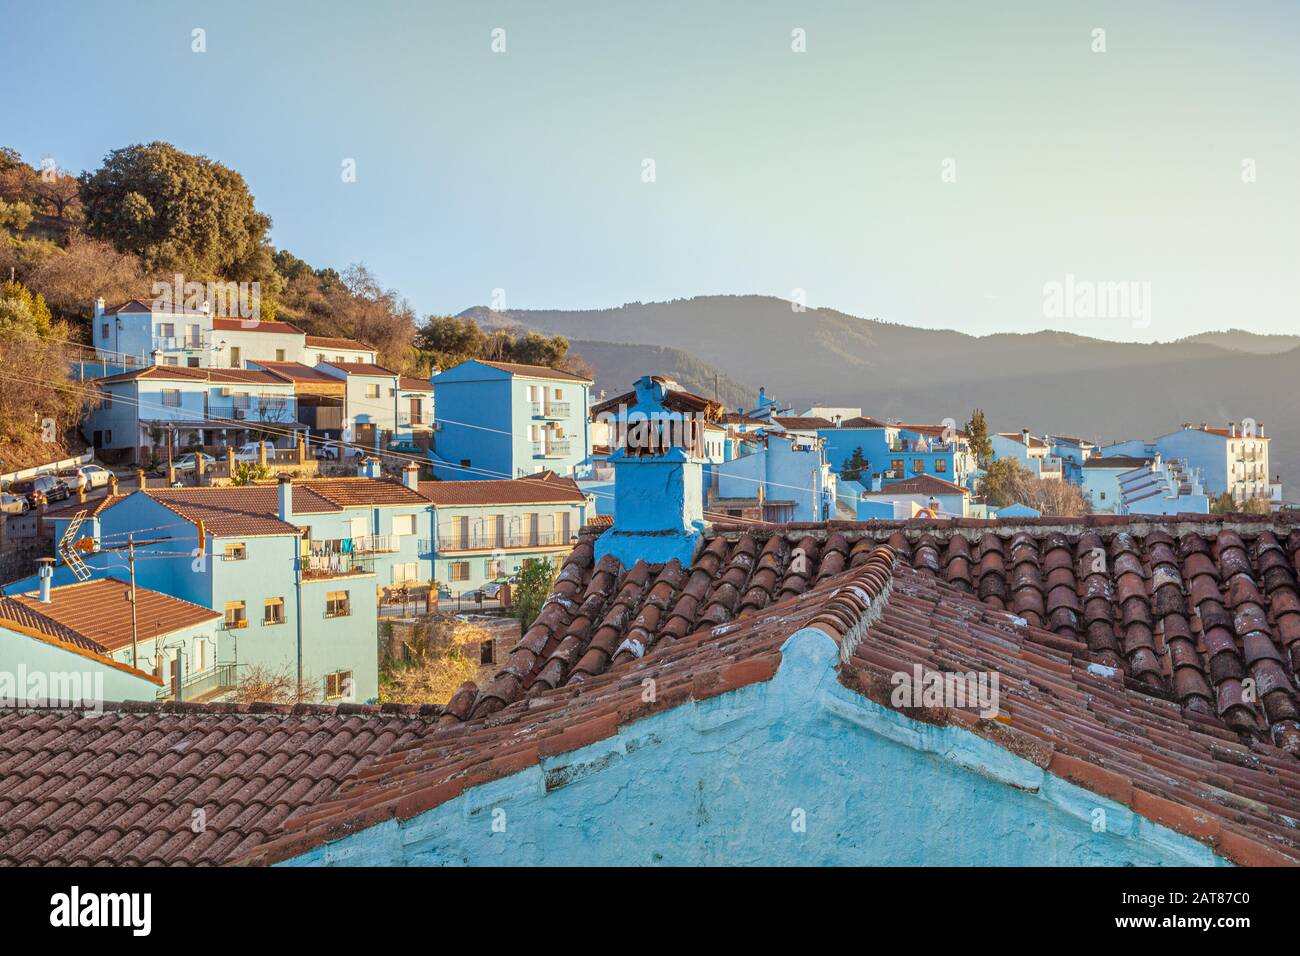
484,416
728,780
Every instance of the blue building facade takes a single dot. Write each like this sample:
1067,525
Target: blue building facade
503,420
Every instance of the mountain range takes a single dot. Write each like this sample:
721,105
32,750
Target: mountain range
1048,382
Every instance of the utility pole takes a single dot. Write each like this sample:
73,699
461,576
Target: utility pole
130,560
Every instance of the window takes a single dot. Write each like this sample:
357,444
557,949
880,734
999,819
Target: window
406,573
338,685
273,611
459,570
234,357
918,465
108,437
196,336
487,652
171,397
172,360
279,355
559,394
199,659
337,604
192,362
403,524
236,551
103,331
1103,496
464,462
167,330
896,465
940,466
372,391
105,401
236,614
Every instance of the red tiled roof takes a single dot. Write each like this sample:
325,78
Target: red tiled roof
121,787
362,368
1078,704
252,510
1019,437
92,508
802,422
921,485
533,371
182,373
331,342
97,612
1104,685
132,306
222,324
409,383
532,490
297,372
864,422
349,492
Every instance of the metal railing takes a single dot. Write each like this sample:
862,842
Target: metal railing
552,449
449,540
374,544
556,410
218,677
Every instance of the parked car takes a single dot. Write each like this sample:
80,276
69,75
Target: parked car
330,452
91,476
188,462
248,452
13,504
52,487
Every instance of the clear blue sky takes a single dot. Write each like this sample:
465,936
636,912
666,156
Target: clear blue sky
775,170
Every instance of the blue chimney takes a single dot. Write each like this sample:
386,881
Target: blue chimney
658,476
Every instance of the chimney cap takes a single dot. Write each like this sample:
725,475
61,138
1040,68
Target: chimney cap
284,478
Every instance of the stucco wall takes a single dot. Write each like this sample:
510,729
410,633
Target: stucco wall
796,771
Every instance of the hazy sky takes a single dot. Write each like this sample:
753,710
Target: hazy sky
774,170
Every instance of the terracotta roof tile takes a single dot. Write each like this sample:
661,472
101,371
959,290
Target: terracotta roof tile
223,324
535,489
332,342
99,615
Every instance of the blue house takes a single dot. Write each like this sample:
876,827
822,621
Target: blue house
504,420
293,568
897,451
146,409
484,531
781,478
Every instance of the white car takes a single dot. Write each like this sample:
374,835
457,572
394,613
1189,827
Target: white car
248,452
13,504
96,476
330,452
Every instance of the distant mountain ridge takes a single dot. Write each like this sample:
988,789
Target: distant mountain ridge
1046,381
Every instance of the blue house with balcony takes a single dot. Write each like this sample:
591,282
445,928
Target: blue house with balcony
484,531
505,420
293,568
1035,455
898,451
146,409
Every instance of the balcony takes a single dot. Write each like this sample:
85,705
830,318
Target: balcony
375,544
449,541
319,564
413,420
556,410
551,449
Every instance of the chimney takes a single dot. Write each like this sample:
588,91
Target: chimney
411,476
368,467
284,509
46,573
839,420
1204,426
1024,436
1232,429
99,306
658,485
1259,430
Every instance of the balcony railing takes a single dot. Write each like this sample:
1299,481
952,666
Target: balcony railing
375,544
319,563
449,541
556,410
412,419
551,449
